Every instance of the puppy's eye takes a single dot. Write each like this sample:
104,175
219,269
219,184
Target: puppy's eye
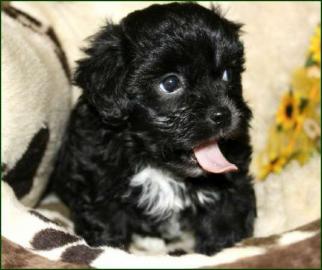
225,75
170,84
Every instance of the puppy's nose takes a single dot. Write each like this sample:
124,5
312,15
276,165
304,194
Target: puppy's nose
221,116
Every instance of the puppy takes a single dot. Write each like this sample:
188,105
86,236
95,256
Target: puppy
158,142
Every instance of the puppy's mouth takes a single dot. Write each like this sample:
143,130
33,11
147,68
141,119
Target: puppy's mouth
211,159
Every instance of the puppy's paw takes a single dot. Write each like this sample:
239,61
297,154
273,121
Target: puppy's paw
96,238
207,248
213,245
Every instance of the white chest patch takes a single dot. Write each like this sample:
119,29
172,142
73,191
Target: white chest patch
161,195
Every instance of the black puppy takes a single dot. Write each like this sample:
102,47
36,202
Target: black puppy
158,143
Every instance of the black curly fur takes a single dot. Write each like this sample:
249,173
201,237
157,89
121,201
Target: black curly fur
123,123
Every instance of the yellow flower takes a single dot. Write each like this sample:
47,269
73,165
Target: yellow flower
288,111
303,80
296,133
315,46
275,165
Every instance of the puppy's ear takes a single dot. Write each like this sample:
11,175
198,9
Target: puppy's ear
101,74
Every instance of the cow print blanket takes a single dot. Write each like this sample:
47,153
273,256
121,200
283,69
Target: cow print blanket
48,242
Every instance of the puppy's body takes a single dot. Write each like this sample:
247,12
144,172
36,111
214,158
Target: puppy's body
162,91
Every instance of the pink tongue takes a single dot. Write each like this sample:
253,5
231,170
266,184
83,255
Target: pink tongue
211,159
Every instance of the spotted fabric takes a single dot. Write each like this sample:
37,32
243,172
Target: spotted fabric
258,252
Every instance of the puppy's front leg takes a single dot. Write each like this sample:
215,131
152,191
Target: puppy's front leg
225,222
103,226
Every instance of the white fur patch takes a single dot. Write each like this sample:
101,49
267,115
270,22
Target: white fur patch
171,228
205,197
148,245
161,195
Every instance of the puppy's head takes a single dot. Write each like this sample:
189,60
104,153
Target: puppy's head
172,75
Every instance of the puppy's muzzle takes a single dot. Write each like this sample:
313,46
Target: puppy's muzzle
220,117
